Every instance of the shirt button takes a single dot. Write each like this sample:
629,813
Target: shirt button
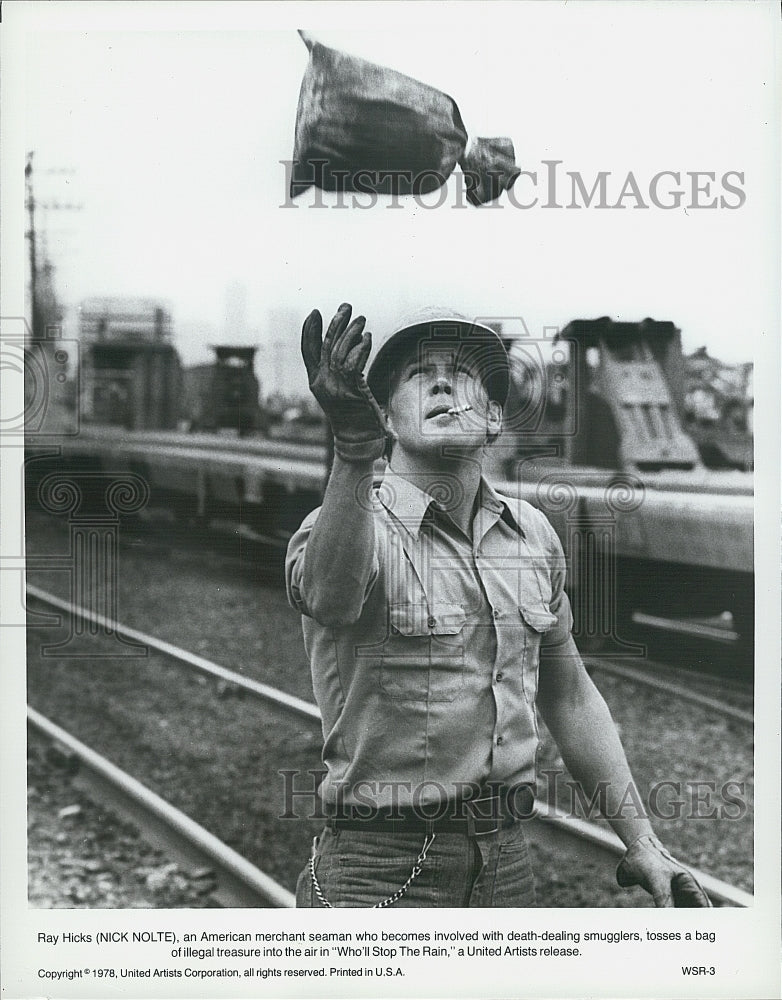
496,613
500,741
432,621
499,677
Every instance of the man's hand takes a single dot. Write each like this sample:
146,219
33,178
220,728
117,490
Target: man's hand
648,864
335,369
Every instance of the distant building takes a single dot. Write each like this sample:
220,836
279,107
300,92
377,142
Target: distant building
129,320
131,374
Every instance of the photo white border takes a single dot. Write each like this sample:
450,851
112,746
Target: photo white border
749,951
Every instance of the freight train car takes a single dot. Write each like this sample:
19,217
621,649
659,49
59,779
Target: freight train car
224,393
644,522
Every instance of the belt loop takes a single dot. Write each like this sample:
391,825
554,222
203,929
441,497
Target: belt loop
470,822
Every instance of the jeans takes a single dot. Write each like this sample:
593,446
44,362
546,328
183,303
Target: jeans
362,868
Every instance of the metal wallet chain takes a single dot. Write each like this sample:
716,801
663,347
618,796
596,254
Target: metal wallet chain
389,900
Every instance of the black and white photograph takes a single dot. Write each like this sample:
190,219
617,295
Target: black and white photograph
386,519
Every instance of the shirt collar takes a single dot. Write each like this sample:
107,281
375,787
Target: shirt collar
492,501
404,500
409,504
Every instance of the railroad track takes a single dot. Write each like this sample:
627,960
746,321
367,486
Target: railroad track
620,669
661,677
237,879
237,882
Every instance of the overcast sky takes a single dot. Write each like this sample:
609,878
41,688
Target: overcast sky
174,137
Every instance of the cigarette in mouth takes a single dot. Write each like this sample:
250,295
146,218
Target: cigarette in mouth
459,409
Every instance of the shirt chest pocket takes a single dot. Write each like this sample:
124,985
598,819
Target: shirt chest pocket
536,620
423,657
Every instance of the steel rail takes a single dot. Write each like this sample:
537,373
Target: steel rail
668,687
607,842
238,882
697,630
580,830
264,691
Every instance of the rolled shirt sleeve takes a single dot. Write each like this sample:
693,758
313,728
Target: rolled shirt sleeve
559,634
295,562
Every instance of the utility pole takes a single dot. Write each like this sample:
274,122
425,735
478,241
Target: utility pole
45,309
28,182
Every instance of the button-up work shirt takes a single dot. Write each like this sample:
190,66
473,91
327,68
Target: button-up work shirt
432,690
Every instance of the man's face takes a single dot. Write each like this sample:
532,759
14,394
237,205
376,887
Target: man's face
439,401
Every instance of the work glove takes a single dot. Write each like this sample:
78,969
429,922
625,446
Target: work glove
648,864
335,369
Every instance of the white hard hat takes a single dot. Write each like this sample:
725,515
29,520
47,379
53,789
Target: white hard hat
448,328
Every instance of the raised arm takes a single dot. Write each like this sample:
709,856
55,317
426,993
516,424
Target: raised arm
338,561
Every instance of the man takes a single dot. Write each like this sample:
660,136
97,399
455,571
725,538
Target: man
436,621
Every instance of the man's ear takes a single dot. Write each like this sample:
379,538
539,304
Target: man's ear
493,419
389,423
388,448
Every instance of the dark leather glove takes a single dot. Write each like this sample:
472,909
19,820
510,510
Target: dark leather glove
648,864
335,369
